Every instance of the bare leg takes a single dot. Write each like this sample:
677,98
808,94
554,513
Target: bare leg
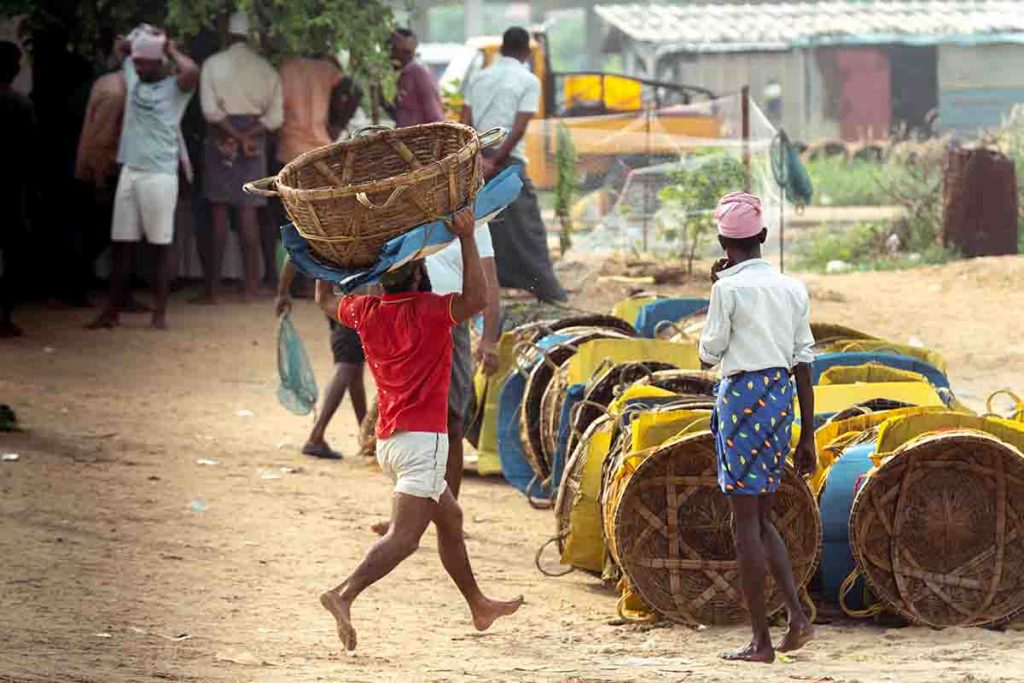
452,548
357,393
120,264
215,256
750,556
345,376
268,246
162,286
800,630
453,474
410,519
249,231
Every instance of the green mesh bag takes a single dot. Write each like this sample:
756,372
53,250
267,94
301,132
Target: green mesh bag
297,391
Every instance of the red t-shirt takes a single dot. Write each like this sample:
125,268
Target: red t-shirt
407,340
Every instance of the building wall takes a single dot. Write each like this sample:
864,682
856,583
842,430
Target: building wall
776,81
978,86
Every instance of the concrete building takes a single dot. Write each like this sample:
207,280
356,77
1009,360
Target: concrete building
850,69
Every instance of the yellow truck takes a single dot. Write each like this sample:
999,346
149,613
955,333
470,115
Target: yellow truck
610,116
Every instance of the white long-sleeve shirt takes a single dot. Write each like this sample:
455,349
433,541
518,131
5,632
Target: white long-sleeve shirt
237,81
758,319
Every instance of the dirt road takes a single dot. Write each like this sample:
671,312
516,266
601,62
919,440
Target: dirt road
124,559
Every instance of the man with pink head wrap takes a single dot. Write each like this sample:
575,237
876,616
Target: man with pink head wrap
148,151
758,332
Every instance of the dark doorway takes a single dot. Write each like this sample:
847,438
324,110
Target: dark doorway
915,91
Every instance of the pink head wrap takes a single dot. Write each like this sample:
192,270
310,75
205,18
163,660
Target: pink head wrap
148,45
738,215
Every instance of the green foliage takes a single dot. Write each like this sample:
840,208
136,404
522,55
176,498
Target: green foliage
319,27
911,178
692,193
566,183
863,247
311,27
838,182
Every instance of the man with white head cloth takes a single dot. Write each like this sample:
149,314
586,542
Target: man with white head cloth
240,93
149,152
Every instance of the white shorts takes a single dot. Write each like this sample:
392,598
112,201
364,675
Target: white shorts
416,462
144,205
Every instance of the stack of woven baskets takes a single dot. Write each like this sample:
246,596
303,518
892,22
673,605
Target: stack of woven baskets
350,198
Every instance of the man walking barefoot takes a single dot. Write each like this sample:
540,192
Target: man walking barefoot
147,189
408,343
758,330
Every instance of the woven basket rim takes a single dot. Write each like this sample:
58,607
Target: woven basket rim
860,501
429,170
809,566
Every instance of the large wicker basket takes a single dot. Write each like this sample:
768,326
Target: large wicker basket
938,530
540,376
669,530
349,198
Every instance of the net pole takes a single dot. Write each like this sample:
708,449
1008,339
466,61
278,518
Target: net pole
647,140
745,114
782,203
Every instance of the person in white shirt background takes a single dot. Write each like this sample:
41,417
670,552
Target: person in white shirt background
444,269
242,100
507,94
758,331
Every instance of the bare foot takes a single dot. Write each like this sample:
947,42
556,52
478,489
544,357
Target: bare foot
380,528
104,321
489,610
751,653
159,321
340,610
797,635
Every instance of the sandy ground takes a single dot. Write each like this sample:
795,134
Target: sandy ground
126,560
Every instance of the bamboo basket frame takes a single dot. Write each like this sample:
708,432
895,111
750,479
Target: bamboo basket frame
343,198
672,535
938,530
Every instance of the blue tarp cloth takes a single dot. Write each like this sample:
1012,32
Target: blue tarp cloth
514,467
835,502
660,310
491,199
573,395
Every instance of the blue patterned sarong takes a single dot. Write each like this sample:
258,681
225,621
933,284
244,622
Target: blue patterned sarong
753,425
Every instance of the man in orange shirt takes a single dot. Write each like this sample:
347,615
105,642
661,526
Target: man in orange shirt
96,169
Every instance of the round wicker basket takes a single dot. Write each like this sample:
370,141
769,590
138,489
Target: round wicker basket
669,527
570,490
686,382
603,388
537,383
349,198
938,530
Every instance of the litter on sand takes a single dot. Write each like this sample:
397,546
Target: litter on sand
207,461
9,457
244,413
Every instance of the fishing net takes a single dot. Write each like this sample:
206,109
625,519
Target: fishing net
648,180
297,391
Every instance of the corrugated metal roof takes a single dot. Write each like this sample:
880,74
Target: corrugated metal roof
779,26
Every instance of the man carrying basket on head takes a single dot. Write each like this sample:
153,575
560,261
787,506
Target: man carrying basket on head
407,338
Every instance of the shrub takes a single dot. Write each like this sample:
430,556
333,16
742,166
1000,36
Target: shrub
838,182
